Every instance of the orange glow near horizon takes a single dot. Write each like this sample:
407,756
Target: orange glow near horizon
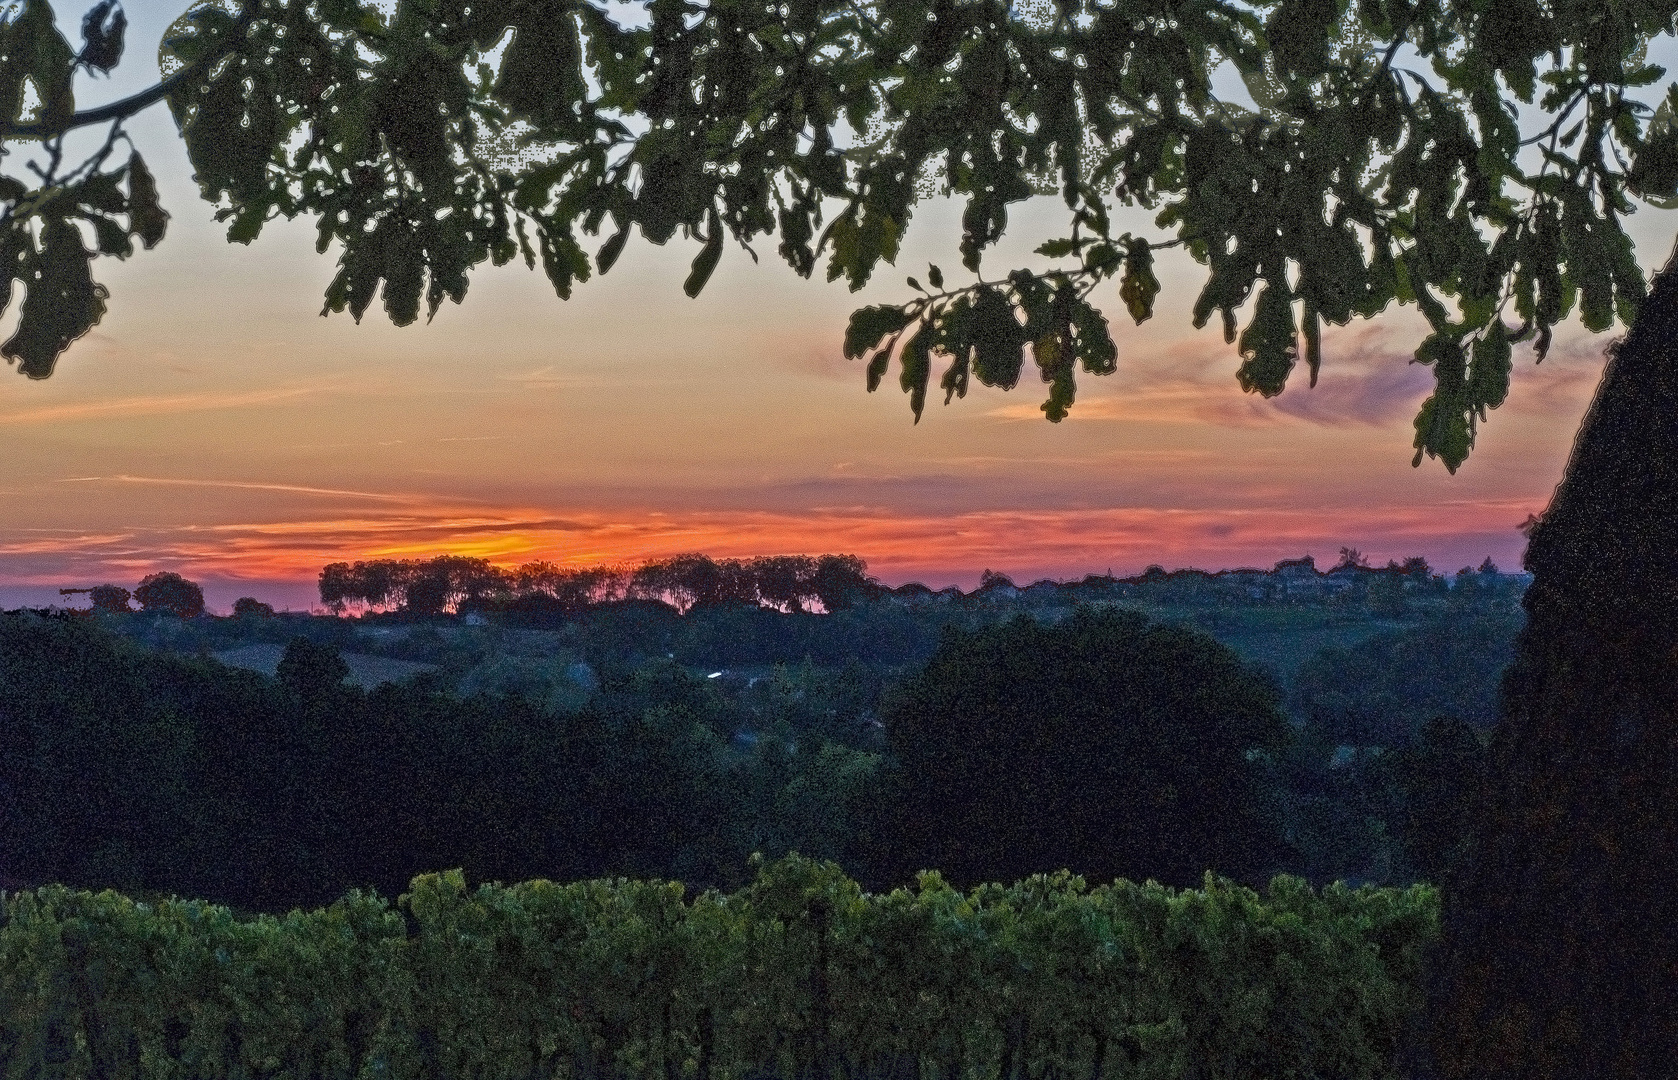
940,550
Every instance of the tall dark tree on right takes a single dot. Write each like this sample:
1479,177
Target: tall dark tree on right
1560,952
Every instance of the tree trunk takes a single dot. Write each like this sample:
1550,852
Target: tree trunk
1559,955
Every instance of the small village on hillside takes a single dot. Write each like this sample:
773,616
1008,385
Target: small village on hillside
1290,579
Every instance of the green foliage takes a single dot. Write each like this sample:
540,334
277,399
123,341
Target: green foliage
419,160
1442,775
796,971
597,744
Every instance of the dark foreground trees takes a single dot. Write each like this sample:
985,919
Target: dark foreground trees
144,771
1101,744
419,165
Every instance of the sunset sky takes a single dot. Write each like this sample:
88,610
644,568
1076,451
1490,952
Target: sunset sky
216,425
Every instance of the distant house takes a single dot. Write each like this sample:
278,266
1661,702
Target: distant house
1299,577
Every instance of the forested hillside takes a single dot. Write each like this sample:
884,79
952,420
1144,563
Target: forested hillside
631,738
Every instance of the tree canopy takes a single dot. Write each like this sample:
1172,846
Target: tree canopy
1011,766
445,133
171,594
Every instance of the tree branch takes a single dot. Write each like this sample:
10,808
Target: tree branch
128,106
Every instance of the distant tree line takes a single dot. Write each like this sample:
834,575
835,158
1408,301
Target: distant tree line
457,584
167,592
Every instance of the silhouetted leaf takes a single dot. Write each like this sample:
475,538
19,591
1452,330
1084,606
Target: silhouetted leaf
146,217
1488,373
100,192
404,274
1096,350
916,365
706,261
113,238
230,137
1268,347
877,364
564,261
1442,427
998,340
1654,168
37,51
953,336
247,225
102,41
13,243
62,303
1139,286
868,325
611,249
1062,390
1313,340
540,76
359,269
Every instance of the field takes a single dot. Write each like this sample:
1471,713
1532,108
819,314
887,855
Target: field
366,671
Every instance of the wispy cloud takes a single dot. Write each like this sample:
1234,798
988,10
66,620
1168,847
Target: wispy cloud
297,489
551,377
150,405
65,542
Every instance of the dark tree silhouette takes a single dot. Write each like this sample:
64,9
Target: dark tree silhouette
308,668
1441,775
110,598
251,607
1560,953
840,582
1101,744
171,594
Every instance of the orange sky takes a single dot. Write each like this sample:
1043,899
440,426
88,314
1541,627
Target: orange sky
217,426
